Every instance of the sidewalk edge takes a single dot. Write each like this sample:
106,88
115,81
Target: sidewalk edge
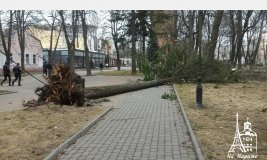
189,127
77,135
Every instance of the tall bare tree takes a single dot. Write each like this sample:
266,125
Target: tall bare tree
7,47
83,16
21,24
200,22
133,40
232,36
53,26
116,19
70,33
214,34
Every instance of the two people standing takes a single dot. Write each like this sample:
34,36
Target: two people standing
17,72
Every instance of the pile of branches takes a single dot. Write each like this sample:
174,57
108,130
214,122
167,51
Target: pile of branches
63,87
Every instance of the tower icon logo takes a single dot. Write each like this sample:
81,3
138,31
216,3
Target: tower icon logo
245,142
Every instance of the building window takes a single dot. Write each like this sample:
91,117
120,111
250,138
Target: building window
27,58
34,59
95,43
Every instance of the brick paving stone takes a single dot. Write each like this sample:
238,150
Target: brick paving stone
143,126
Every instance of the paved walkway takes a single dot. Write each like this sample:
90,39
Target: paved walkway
143,126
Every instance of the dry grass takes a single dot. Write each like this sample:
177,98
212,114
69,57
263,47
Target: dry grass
33,133
214,125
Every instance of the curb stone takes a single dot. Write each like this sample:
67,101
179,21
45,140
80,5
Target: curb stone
77,135
191,133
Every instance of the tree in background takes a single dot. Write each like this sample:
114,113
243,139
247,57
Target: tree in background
53,25
22,17
214,34
117,27
133,40
70,33
7,46
84,17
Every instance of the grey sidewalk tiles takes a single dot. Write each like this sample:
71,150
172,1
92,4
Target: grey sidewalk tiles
143,126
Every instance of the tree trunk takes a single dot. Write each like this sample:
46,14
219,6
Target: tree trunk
70,44
21,26
55,47
218,51
239,38
241,30
8,46
50,60
86,49
233,38
118,56
201,17
255,52
247,56
4,42
264,52
191,31
104,91
214,34
9,35
133,33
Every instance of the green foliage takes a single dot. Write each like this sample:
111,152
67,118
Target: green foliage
152,46
175,62
147,69
169,96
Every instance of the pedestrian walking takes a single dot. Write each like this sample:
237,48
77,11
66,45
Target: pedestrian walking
6,69
44,68
101,66
17,72
49,69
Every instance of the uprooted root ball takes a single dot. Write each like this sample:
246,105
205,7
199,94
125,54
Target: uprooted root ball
64,87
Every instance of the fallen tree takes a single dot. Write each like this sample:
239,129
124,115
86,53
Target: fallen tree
64,87
105,91
67,88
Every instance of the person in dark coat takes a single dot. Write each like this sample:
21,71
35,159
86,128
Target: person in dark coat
17,72
49,69
45,68
6,70
101,66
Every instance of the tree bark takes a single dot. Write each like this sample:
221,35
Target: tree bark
233,38
50,60
214,34
239,38
191,31
114,32
104,91
21,26
8,46
86,49
201,17
133,33
70,43
255,52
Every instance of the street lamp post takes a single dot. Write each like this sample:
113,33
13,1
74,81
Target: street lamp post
199,92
